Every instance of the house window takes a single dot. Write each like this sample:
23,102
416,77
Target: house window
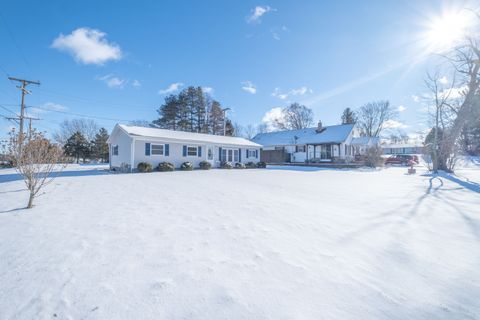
115,150
235,155
192,151
157,149
224,155
251,154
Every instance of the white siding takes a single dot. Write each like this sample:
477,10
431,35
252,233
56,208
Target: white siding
176,153
124,143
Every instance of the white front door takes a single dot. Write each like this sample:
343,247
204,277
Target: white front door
210,154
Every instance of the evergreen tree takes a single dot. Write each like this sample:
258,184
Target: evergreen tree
100,145
169,113
229,128
191,110
216,118
349,116
77,146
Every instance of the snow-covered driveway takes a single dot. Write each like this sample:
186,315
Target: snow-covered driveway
242,244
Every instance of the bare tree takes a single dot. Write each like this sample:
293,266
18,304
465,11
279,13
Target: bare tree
35,159
466,62
262,128
294,117
142,123
238,130
250,131
440,97
87,127
373,116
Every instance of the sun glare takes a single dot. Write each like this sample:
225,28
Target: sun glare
445,31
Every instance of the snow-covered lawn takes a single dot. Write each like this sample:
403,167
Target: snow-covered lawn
242,244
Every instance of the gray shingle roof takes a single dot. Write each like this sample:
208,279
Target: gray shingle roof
331,134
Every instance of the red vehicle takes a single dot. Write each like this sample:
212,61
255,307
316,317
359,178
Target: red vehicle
403,159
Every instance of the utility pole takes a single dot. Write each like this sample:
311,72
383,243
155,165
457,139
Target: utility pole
30,126
225,120
24,90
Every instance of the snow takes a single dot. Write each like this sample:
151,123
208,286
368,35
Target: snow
331,134
185,136
288,243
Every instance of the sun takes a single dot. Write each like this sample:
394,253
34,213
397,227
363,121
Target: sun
445,31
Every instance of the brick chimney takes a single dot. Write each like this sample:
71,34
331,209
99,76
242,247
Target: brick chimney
320,128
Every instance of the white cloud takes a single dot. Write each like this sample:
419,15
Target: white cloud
443,80
249,87
415,98
112,81
257,13
393,124
88,46
136,83
171,88
455,93
294,92
54,106
401,108
45,108
208,90
278,31
271,117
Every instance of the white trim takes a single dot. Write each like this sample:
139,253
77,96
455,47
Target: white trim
157,144
113,148
196,152
132,156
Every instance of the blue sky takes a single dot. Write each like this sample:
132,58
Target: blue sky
113,60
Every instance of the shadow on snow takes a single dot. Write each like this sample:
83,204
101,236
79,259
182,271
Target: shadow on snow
58,174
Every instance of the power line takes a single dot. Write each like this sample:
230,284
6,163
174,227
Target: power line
9,31
7,109
81,99
80,114
4,71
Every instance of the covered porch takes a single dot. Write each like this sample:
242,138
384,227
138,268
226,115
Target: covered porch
325,152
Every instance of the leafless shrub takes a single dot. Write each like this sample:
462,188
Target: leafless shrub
373,157
35,159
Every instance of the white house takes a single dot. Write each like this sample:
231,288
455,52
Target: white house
130,145
328,143
403,148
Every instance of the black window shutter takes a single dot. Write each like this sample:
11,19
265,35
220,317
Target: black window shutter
167,150
147,149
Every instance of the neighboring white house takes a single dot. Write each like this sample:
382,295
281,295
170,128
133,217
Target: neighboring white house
130,145
403,148
314,144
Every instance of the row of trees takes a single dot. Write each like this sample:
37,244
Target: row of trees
82,138
78,146
193,110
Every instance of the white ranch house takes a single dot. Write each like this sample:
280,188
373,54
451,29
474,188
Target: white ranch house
322,144
130,145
